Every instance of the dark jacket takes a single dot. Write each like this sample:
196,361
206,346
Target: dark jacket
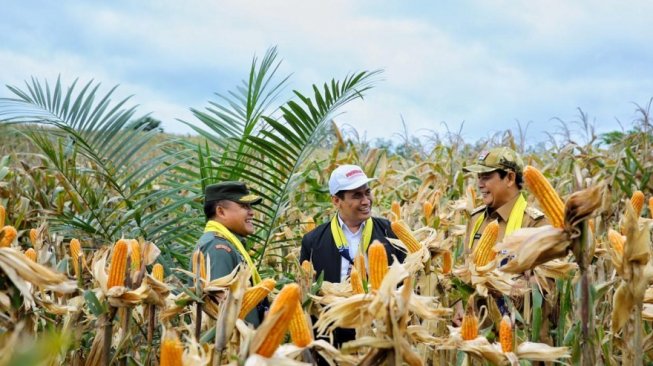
319,248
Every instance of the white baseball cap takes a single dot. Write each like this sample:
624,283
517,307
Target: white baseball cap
346,177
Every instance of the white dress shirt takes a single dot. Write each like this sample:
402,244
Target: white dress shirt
353,243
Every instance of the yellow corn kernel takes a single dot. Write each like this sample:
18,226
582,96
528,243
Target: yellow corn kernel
484,252
359,263
356,283
135,254
378,259
118,264
637,201
505,334
31,254
7,236
33,235
300,331
201,264
469,327
75,253
396,210
447,262
157,272
283,305
406,236
3,215
254,295
617,240
171,352
548,198
427,208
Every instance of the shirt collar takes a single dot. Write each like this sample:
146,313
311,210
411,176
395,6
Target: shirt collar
504,211
343,226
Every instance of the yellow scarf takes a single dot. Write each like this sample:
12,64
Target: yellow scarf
339,236
217,227
514,220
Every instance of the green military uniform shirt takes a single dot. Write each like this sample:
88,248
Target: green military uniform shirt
532,218
224,258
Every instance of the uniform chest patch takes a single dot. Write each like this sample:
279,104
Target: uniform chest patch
223,247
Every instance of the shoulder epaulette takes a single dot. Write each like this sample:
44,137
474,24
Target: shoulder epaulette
477,210
534,213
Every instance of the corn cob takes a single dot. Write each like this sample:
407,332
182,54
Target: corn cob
547,197
505,334
171,352
254,295
447,262
31,254
75,253
406,236
135,254
469,327
283,305
471,191
7,236
617,240
356,283
118,264
396,210
378,264
359,263
650,206
484,252
157,272
307,267
3,215
309,224
300,331
637,201
202,264
33,235
427,208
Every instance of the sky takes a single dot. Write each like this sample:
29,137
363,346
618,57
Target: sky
483,65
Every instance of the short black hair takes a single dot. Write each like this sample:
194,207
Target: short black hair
519,179
340,194
209,208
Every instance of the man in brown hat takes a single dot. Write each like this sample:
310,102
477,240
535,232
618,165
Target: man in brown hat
500,181
229,214
499,172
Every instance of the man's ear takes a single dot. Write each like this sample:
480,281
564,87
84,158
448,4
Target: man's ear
219,211
512,177
335,200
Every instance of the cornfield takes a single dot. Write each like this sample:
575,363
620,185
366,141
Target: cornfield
98,223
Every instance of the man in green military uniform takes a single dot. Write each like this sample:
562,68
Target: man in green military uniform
229,214
500,182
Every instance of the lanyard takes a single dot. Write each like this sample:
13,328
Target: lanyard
341,241
217,227
514,220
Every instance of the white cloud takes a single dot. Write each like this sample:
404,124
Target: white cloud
500,61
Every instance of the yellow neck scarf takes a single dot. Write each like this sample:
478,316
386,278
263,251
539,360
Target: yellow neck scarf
217,227
514,220
339,236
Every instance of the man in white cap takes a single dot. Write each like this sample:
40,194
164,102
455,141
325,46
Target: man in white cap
332,246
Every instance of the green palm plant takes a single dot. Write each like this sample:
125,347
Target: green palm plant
249,140
105,165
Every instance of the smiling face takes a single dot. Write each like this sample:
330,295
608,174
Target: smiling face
355,206
237,217
497,191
